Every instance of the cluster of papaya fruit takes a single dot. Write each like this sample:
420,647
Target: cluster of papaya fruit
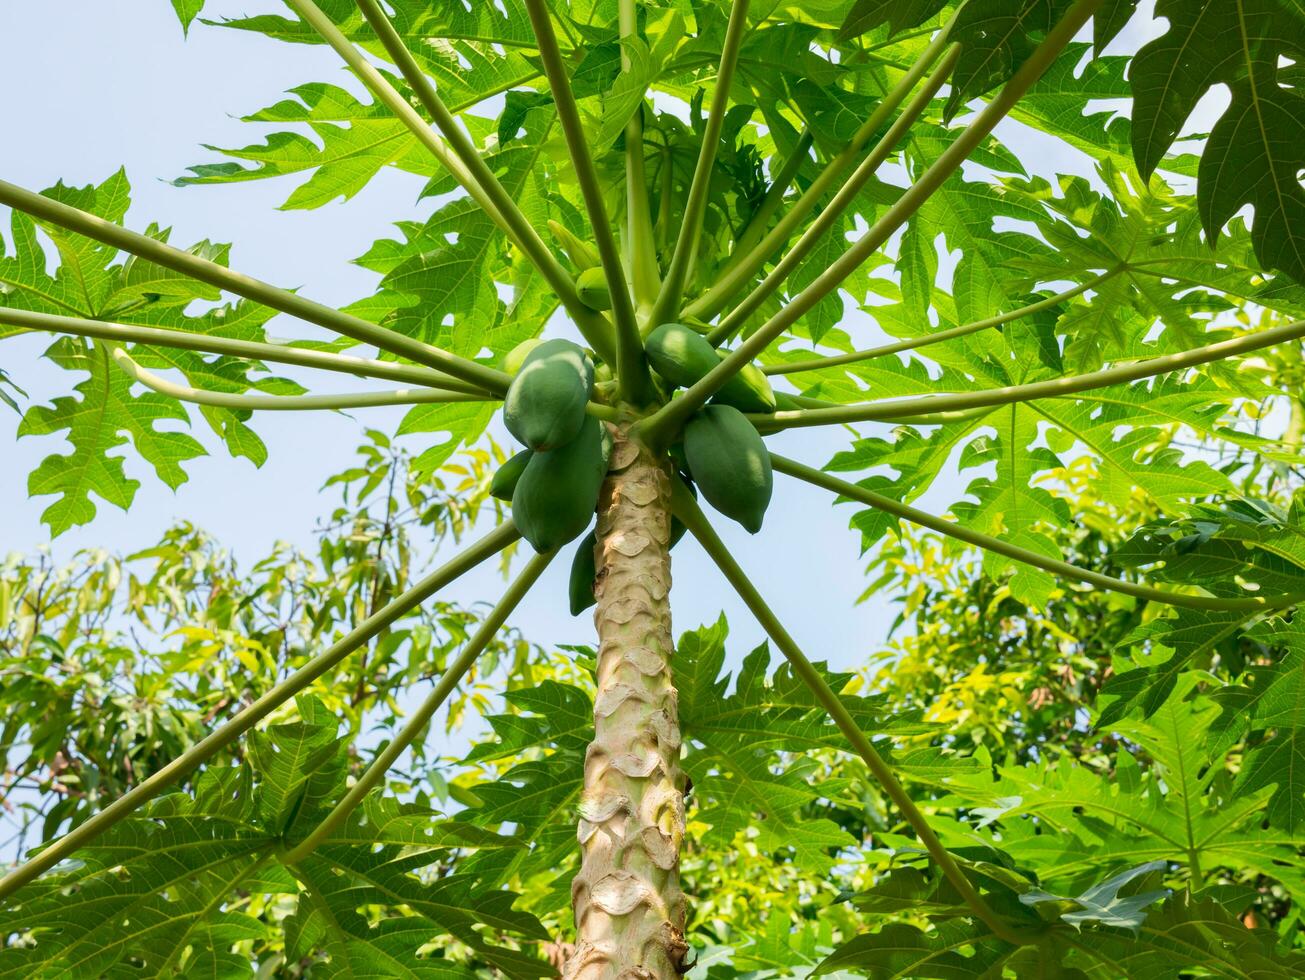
554,483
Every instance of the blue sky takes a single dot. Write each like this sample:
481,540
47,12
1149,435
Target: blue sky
129,91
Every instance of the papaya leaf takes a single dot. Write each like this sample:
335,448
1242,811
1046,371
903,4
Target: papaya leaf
1256,149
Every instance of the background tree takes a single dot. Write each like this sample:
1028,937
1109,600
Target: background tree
1084,327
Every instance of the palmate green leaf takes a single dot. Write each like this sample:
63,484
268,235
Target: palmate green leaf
1272,705
954,951
1256,149
152,893
1184,934
1168,271
356,140
91,280
1072,826
95,421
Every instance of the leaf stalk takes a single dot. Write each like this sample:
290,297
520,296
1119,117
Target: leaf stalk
688,511
964,330
288,403
201,269
488,546
420,718
1064,569
897,409
479,181
631,365
695,205
671,417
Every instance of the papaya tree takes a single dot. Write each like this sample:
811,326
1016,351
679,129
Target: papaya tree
652,220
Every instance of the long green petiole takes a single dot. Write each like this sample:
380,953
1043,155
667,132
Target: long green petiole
645,275
488,546
1056,567
825,221
128,333
669,419
416,724
965,329
593,326
695,205
901,408
632,367
220,276
688,511
742,268
289,403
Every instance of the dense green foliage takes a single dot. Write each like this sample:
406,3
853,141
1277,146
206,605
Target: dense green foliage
1116,770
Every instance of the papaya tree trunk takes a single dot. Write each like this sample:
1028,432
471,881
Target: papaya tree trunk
629,910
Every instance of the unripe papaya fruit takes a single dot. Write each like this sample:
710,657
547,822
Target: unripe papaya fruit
729,463
748,391
683,357
506,476
514,358
680,354
545,404
584,570
592,287
557,495
581,253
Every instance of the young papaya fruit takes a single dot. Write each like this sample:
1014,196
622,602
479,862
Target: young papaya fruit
680,354
581,253
730,464
514,358
506,476
584,569
545,404
592,287
748,391
557,494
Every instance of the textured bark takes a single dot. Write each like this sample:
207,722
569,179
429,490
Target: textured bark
629,909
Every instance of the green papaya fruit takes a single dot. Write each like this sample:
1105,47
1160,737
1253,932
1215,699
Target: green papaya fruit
680,354
545,404
730,464
557,495
506,476
748,391
581,253
583,571
514,358
683,357
592,287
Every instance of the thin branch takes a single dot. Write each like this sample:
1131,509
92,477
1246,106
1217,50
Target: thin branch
900,408
744,266
671,417
289,403
695,206
250,349
592,325
825,221
817,363
645,275
997,546
417,723
631,366
488,546
688,511
189,264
